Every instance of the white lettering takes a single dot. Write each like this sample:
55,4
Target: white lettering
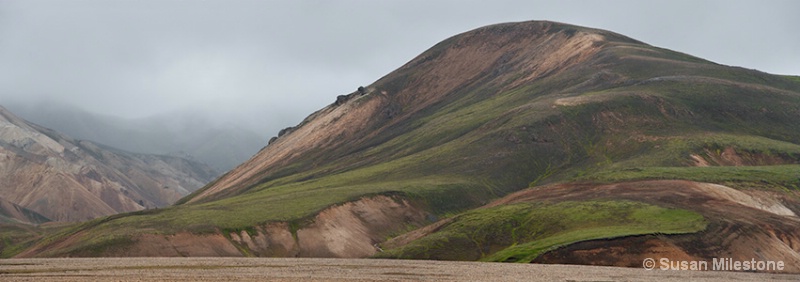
701,265
664,263
719,264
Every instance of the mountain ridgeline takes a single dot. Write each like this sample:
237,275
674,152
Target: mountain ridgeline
45,175
187,135
439,154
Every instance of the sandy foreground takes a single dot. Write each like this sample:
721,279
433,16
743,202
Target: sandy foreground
304,269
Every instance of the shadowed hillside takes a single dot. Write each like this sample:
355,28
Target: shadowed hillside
13,213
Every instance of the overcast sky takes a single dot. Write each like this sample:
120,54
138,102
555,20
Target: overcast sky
274,62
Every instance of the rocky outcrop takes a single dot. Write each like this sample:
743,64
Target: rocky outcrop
341,99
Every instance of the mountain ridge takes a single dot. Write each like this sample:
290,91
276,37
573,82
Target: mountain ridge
70,180
391,103
10,212
184,134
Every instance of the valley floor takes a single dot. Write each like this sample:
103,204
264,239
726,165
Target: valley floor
293,269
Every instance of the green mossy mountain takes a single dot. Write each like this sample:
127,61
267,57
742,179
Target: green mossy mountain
487,113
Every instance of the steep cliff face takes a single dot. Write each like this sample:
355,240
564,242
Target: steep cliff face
73,180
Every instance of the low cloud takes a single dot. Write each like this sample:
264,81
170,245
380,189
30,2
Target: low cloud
268,64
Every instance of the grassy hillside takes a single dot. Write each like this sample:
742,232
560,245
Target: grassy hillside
521,232
16,237
793,77
11,235
781,177
459,126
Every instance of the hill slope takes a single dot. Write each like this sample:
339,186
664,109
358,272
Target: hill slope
477,117
507,102
618,224
65,179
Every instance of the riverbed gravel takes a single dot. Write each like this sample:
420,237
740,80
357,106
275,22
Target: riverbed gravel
311,269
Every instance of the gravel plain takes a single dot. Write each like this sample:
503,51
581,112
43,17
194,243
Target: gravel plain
310,269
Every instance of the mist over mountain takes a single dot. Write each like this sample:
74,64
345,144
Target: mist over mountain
67,179
220,144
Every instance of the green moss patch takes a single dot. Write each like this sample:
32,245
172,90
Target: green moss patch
521,232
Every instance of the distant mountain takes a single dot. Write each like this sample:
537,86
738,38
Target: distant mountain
526,142
12,213
65,179
192,135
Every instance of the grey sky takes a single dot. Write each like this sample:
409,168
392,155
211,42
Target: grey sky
274,62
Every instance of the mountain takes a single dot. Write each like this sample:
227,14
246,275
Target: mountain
184,134
530,142
65,179
10,212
